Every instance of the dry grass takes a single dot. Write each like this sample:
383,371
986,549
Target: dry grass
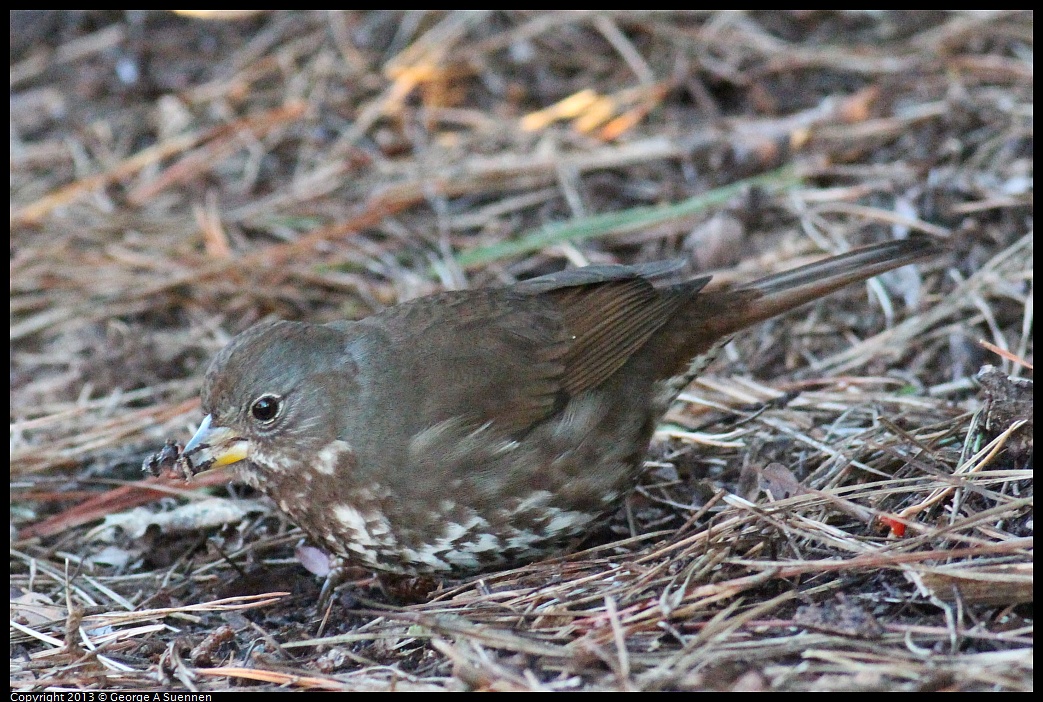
839,504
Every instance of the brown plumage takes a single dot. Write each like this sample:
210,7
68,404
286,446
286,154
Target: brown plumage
474,430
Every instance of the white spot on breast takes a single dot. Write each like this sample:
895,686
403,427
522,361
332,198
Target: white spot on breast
485,542
352,519
453,532
476,521
536,500
328,458
521,540
364,530
271,462
464,559
426,555
566,521
360,549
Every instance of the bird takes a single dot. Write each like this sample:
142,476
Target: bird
477,430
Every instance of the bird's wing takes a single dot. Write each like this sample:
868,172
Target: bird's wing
512,356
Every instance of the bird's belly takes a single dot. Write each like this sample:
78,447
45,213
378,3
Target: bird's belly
456,540
462,499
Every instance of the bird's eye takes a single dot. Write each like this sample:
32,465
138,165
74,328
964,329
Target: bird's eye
265,408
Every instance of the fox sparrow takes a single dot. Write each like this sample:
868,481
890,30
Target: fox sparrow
477,429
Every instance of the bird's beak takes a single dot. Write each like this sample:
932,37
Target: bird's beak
213,447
